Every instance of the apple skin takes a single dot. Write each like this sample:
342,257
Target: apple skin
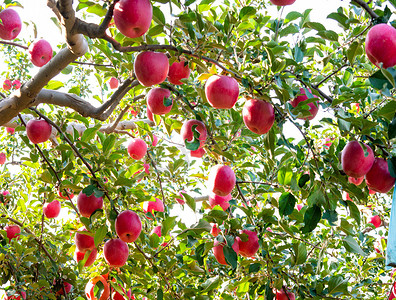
378,178
299,207
221,180
155,140
12,231
16,84
118,296
67,286
376,221
7,85
137,148
116,252
40,52
51,210
152,206
151,67
187,133
2,158
38,131
221,91
113,83
128,226
88,204
282,2
219,253
133,17
155,101
10,25
215,231
178,71
63,195
149,115
84,242
258,116
381,45
78,255
251,246
157,230
353,161
356,181
89,288
314,106
198,153
219,200
281,295
10,130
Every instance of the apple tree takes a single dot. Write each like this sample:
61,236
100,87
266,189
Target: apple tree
197,150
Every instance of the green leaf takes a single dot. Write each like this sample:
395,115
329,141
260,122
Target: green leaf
352,246
379,81
100,234
201,226
286,204
160,294
300,252
190,201
337,284
108,144
158,16
89,133
303,180
392,166
167,101
230,256
312,217
89,190
195,143
167,225
210,284
97,10
54,85
354,210
387,74
246,12
392,129
353,51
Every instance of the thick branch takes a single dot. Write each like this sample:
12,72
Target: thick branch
365,6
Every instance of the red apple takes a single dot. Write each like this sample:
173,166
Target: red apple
128,226
221,180
219,253
151,67
159,101
219,200
116,252
376,221
113,83
12,231
67,288
354,161
345,196
7,85
282,295
327,143
181,200
63,194
258,116
10,130
197,153
40,52
155,140
89,288
178,71
149,115
356,181
137,148
282,2
38,131
10,24
221,91
299,207
78,255
84,242
152,206
5,193
146,168
157,230
16,84
215,231
118,296
17,296
313,106
187,133
251,246
2,158
51,210
371,192
133,17
378,178
88,204
381,45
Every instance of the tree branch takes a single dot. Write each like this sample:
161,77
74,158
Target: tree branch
365,6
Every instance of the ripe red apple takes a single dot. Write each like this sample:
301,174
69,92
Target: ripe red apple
7,85
258,116
221,91
88,204
133,17
299,206
146,168
282,295
251,246
157,230
12,231
128,226
63,194
113,83
155,140
84,242
356,181
219,200
376,221
137,148
2,158
89,288
178,71
354,161
151,67
17,296
371,192
159,101
67,287
78,255
51,210
282,2
10,24
221,180
38,131
313,106
198,153
218,251
149,114
40,52
378,178
118,296
152,206
10,130
381,45
187,133
116,252
215,231
16,84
